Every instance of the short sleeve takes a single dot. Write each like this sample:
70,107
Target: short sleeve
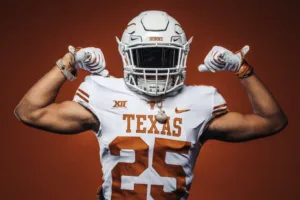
219,104
82,94
84,97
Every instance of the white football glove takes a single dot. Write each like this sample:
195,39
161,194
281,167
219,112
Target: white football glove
90,59
221,59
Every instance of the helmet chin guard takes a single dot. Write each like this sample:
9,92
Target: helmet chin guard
154,51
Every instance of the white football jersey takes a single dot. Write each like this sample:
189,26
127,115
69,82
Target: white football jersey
141,158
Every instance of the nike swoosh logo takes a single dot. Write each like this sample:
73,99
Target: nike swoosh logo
175,39
181,111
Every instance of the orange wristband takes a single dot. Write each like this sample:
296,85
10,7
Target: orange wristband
244,71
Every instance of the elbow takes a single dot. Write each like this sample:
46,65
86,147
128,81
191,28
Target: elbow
283,124
23,115
273,126
279,124
20,114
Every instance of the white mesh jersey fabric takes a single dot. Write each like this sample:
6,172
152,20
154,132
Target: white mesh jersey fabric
141,158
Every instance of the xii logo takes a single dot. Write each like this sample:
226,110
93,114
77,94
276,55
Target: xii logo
120,104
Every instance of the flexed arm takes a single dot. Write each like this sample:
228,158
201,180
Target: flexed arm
267,117
38,108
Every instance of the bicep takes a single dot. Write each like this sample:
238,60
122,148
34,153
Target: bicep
67,117
238,127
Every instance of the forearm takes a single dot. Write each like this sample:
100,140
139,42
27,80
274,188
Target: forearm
37,108
262,101
44,92
267,117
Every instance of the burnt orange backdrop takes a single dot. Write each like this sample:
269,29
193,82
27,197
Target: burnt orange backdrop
38,165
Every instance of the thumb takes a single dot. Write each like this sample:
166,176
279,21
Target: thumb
71,49
204,68
245,50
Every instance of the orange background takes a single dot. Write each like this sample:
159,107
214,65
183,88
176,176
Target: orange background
34,34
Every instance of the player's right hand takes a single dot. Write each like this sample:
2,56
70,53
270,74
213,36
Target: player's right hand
90,59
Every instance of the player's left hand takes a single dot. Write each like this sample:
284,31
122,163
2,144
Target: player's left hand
221,59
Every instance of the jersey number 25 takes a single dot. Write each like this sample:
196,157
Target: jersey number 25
161,147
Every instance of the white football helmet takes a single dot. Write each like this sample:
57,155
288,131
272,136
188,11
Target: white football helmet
154,51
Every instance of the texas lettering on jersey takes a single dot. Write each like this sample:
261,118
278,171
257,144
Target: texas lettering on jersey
141,158
171,128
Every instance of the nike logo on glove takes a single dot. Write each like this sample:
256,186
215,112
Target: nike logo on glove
181,111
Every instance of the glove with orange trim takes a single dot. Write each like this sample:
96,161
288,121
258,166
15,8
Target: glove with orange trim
90,59
221,59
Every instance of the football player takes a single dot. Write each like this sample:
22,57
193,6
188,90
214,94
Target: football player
150,126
